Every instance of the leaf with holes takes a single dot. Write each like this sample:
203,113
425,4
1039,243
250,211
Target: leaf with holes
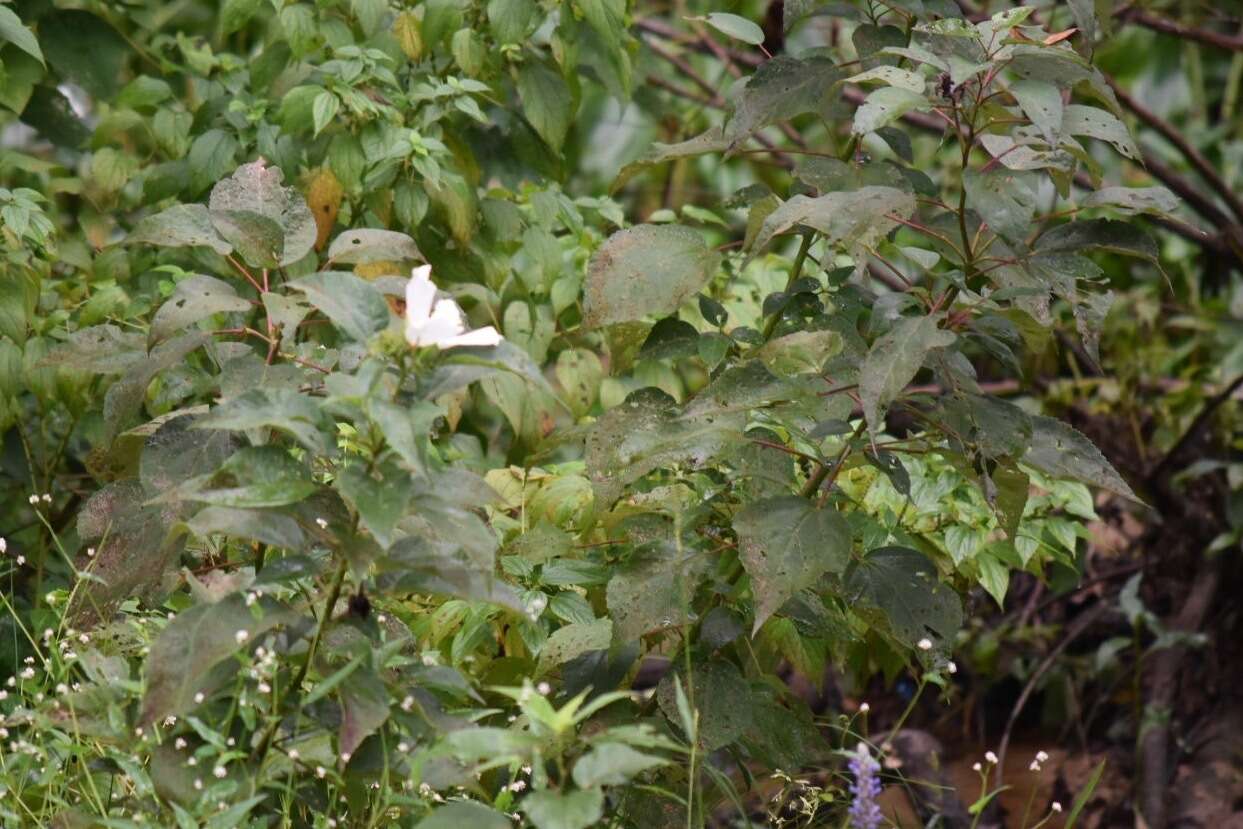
903,585
645,270
194,299
786,545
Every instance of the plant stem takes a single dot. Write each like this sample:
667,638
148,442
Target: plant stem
795,272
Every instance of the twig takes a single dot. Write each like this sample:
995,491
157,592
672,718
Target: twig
1194,156
1233,43
1076,629
1162,469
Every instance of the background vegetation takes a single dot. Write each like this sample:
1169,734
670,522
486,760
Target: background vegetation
864,412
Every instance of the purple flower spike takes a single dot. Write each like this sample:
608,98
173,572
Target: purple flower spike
864,810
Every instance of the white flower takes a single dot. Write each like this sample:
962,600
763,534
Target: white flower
544,688
198,784
293,754
4,546
33,499
438,321
199,697
1041,756
1057,807
323,524
951,667
320,771
21,560
990,757
47,498
345,757
220,771
925,644
179,743
977,767
1034,766
90,552
864,708
407,703
241,636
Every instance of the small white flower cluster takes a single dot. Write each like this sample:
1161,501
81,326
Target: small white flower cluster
4,548
989,757
1041,757
35,498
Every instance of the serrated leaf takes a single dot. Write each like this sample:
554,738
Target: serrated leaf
192,300
894,360
721,696
1099,234
574,640
276,408
780,89
786,545
380,498
903,584
254,477
323,109
645,270
854,220
193,644
265,526
1061,451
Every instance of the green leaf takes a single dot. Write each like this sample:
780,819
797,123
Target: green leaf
265,526
886,105
710,141
800,352
277,408
250,206
780,89
1133,200
82,47
364,708
1102,125
353,304
126,397
854,220
903,584
235,14
187,651
183,225
254,477
407,429
211,156
355,247
572,641
549,809
1104,235
546,101
323,109
1042,103
21,74
652,594
894,360
380,498
892,76
1061,451
1004,199
461,814
719,693
14,31
645,270
612,764
739,28
194,299
511,21
786,545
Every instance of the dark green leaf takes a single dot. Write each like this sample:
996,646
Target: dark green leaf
353,304
721,696
192,300
894,360
183,225
903,584
786,545
276,408
251,206
1062,451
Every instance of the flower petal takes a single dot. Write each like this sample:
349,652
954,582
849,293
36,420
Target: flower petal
420,295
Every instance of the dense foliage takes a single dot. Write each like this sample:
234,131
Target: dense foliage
294,536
